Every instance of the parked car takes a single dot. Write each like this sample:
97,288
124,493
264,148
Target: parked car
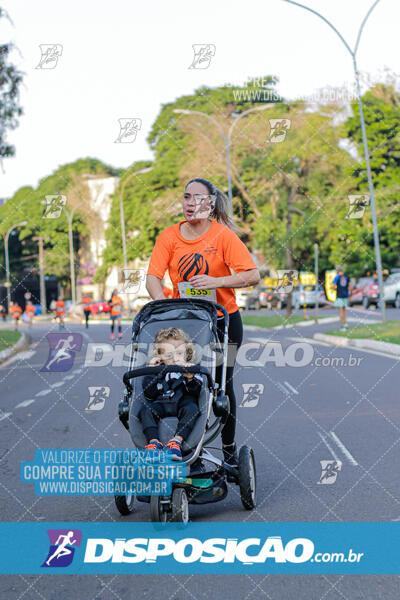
306,295
242,295
100,307
391,289
263,296
370,294
359,290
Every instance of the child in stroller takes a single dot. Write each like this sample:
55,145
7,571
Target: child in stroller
197,318
171,394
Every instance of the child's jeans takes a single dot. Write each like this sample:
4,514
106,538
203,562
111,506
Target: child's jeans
152,412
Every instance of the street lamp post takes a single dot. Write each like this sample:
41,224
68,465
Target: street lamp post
226,138
6,237
353,54
70,216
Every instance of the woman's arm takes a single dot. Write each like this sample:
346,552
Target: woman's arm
154,287
238,280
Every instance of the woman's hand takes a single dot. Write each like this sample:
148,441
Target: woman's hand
204,282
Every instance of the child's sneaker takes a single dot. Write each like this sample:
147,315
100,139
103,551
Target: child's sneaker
119,336
157,445
112,336
174,448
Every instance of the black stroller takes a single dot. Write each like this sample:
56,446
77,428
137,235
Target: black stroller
198,318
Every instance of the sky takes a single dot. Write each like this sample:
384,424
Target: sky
125,59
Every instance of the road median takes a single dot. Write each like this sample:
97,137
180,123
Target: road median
20,345
362,344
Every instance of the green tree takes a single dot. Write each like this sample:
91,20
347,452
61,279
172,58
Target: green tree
10,110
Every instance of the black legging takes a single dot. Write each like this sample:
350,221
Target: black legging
235,336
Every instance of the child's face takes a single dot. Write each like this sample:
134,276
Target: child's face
172,352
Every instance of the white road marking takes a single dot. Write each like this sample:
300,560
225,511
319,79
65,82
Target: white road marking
57,384
282,387
43,393
5,416
22,356
328,445
343,448
24,403
69,377
291,388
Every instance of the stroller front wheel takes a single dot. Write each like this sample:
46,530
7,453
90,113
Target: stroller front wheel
247,477
125,504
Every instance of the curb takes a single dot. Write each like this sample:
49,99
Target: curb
22,343
384,347
291,325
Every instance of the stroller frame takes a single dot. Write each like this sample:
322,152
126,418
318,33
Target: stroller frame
188,491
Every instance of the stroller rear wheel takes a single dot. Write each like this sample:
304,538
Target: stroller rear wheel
125,504
247,477
158,509
180,506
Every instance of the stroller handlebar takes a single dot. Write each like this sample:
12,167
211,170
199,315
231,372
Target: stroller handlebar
140,371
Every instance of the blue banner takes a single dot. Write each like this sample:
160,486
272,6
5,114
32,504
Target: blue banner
150,548
80,472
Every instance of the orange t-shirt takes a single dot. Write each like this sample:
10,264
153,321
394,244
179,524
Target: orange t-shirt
116,308
16,311
210,254
29,308
60,307
87,303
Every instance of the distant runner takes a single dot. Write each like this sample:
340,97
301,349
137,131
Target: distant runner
87,308
3,312
16,312
60,312
116,313
29,312
341,284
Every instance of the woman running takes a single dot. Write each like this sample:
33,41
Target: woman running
116,313
199,253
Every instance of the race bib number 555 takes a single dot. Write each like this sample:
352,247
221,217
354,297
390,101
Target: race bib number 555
186,291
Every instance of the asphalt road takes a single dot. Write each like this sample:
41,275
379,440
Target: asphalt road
332,408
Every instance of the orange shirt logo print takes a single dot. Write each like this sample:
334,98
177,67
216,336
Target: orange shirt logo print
193,264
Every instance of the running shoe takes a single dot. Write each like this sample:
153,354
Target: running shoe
174,449
157,445
112,336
